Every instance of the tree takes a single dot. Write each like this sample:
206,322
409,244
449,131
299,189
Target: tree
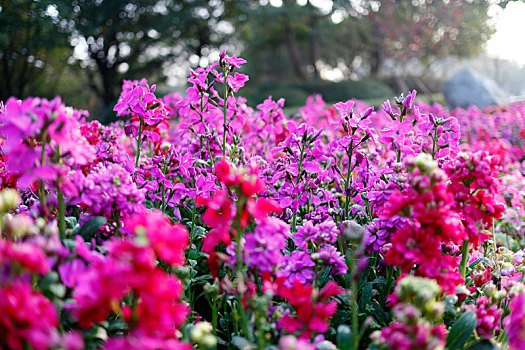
136,38
298,36
30,42
286,41
428,29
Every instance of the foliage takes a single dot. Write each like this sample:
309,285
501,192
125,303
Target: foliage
29,44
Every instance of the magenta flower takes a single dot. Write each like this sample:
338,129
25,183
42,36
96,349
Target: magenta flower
263,247
516,323
297,267
27,318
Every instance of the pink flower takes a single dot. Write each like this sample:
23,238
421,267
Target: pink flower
27,318
27,255
168,240
312,312
516,323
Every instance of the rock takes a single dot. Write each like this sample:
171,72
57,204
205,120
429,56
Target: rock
468,87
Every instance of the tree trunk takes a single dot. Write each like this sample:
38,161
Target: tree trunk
293,51
314,45
376,59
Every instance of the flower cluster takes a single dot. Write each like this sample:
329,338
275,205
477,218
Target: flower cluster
154,310
428,203
201,221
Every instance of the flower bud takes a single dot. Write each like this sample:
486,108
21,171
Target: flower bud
500,294
425,163
326,345
208,341
200,330
434,310
489,289
407,313
9,200
288,342
353,232
211,289
315,257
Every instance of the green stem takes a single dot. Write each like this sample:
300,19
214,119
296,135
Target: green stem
61,214
348,174
163,206
193,222
209,153
42,190
464,259
355,310
239,277
225,112
238,273
235,321
139,142
388,285
260,334
300,170
434,140
215,313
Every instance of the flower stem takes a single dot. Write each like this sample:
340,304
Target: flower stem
139,142
434,143
61,214
464,258
238,273
42,190
349,153
355,310
225,112
214,316
261,343
388,285
193,221
163,206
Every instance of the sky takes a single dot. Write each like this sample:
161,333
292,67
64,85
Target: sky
509,40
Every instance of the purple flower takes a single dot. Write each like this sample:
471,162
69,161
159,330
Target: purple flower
297,267
236,81
234,61
325,232
409,100
263,247
109,187
70,271
330,256
516,323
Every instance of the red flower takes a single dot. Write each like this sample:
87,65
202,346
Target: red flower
262,207
169,241
224,173
251,186
312,311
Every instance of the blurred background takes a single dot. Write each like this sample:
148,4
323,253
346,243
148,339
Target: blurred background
370,50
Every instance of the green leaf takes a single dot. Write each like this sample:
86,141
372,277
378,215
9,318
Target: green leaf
483,345
461,331
366,296
323,278
344,337
379,314
477,261
71,222
91,227
242,344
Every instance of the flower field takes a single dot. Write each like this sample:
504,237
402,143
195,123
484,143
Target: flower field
200,222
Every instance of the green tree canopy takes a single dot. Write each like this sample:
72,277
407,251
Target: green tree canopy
30,41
